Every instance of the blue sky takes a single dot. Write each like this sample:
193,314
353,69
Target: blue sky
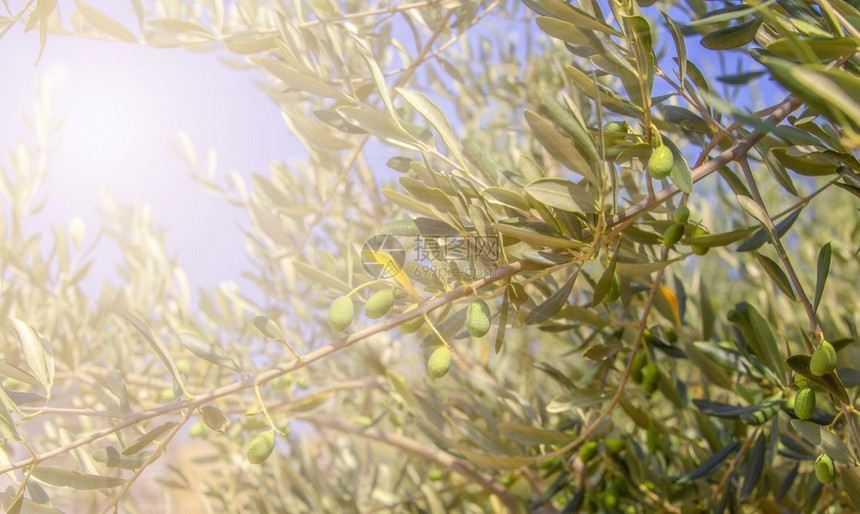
123,106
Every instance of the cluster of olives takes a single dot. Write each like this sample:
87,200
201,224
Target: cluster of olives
676,230
342,312
645,373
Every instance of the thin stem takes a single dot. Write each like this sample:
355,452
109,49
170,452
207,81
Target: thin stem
780,250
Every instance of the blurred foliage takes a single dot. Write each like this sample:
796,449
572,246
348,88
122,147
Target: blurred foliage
639,358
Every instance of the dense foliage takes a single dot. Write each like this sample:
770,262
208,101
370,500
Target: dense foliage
625,249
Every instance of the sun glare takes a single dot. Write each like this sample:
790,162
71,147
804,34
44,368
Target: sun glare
110,117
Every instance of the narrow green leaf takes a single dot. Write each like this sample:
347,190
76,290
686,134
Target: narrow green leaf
823,271
822,48
757,211
379,126
61,477
301,81
376,73
549,307
156,344
638,269
774,271
499,195
605,281
495,461
320,277
502,322
727,15
680,45
105,23
577,16
710,465
436,117
755,464
536,238
8,429
759,336
851,484
716,240
761,236
732,37
680,174
578,399
37,352
16,373
573,124
561,194
525,434
559,146
208,351
143,441
707,311
825,440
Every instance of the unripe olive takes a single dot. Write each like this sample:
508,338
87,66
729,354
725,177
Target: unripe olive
379,303
478,318
698,249
615,444
825,470
671,335
610,499
673,234
167,395
435,474
652,438
414,324
439,362
613,126
340,313
661,162
650,378
681,214
261,447
588,451
638,363
614,291
804,403
823,359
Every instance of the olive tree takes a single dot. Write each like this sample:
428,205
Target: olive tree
541,256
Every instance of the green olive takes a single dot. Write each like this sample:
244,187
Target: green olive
825,470
414,324
379,303
698,249
439,362
261,447
661,162
673,234
588,451
478,318
823,359
650,378
681,214
804,403
340,313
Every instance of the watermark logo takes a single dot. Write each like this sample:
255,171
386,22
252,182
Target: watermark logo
441,256
383,256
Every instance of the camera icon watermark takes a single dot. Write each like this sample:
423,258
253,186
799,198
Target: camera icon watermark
383,256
